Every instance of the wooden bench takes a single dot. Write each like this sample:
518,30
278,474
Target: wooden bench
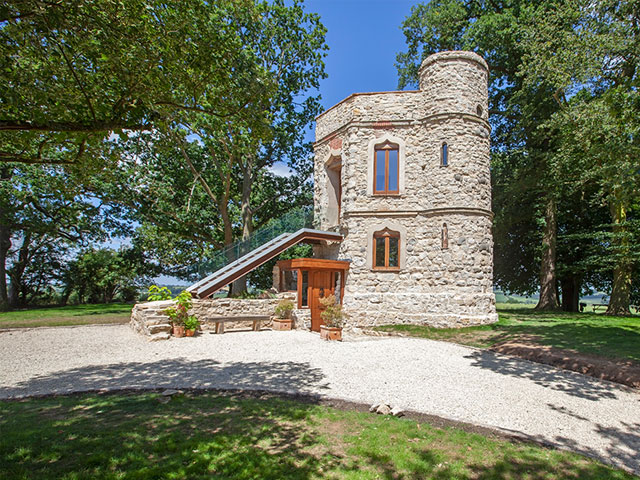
220,321
596,305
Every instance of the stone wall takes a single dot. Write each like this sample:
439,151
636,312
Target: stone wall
435,285
148,318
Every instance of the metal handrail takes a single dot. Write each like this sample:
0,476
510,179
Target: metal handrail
292,221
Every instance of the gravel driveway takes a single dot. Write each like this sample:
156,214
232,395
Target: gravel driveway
596,418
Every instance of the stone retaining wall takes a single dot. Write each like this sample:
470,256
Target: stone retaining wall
150,320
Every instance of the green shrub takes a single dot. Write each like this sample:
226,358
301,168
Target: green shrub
332,314
179,312
156,293
284,308
191,323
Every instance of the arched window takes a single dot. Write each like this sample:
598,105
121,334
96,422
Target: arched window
386,250
444,155
386,165
445,236
479,110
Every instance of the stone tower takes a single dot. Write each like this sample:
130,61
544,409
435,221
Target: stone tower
404,176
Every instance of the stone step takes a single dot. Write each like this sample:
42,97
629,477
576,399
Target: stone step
159,336
162,327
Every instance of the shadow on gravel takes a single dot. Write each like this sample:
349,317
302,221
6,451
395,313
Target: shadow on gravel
620,445
177,373
570,383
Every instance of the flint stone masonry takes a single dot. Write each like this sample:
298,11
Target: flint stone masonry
150,320
443,287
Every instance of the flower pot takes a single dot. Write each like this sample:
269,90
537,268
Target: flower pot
282,323
330,333
189,333
178,331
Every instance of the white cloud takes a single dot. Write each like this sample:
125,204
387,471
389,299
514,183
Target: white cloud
280,169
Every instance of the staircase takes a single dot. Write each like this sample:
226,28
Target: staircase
244,256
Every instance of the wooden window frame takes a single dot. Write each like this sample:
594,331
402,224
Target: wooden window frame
385,147
301,273
386,234
444,157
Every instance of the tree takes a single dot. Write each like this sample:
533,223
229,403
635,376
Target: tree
102,275
290,46
44,214
73,72
495,30
589,53
203,181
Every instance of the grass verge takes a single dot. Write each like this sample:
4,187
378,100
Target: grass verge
592,333
69,315
226,436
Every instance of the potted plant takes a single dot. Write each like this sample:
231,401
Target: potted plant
191,324
178,313
333,318
282,315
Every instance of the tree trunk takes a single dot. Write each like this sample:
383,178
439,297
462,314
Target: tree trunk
548,281
570,293
228,235
5,243
621,288
16,273
240,285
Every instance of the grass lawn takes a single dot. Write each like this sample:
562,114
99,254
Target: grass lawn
239,437
69,315
593,333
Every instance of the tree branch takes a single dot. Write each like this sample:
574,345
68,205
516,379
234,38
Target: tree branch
11,157
96,126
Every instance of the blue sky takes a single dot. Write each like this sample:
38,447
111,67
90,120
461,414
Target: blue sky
364,38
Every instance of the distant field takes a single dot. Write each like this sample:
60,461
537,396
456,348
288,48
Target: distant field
69,315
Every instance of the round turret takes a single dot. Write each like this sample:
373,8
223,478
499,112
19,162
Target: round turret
455,82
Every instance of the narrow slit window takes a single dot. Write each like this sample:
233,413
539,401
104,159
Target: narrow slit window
386,169
445,236
386,250
444,155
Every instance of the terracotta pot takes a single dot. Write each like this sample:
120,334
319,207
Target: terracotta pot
178,331
282,323
330,333
189,333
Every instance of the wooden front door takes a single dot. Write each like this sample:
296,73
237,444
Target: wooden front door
321,283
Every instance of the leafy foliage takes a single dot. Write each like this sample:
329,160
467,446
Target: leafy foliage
75,71
332,313
191,323
564,106
101,275
179,312
157,293
284,308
